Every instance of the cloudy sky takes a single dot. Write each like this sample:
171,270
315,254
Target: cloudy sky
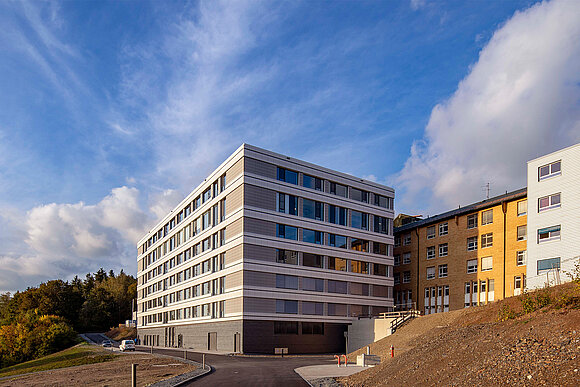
111,112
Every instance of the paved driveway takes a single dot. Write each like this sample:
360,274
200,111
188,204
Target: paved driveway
250,370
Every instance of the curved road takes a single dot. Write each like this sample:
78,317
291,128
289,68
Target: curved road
249,370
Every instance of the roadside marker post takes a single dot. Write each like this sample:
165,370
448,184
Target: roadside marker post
134,375
203,360
392,351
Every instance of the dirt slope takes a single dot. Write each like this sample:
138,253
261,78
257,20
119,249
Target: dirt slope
471,347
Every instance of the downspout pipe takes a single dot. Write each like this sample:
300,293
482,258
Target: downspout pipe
504,210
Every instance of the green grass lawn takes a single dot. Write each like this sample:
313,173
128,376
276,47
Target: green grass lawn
78,355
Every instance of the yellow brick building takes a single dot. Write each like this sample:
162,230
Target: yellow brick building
464,257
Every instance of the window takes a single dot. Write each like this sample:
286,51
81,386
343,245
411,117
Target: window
397,278
486,263
517,282
222,182
430,232
359,267
381,201
337,286
286,281
312,182
522,207
406,239
381,224
287,232
313,284
287,204
397,241
380,269
337,241
472,243
206,220
430,252
337,215
312,209
472,221
549,170
286,256
548,234
443,229
487,240
206,195
472,266
312,260
522,233
431,272
287,306
359,195
359,245
359,220
406,258
545,265
311,308
287,176
443,249
285,327
521,258
487,217
549,202
312,236
337,309
335,263
338,189
442,271
406,277
380,248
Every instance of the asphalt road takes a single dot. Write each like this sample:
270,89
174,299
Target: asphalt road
249,370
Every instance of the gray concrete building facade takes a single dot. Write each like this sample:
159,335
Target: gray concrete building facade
268,252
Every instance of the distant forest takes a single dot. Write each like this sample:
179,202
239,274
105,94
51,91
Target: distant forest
45,319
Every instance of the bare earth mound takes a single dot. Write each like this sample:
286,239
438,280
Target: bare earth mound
117,372
471,347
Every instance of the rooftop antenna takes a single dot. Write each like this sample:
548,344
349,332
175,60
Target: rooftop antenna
487,189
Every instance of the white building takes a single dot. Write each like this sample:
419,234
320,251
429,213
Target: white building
553,217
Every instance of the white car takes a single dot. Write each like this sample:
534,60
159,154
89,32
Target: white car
127,345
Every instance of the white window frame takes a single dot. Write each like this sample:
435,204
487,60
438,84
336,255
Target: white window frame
472,265
431,256
406,277
443,271
431,233
406,258
473,219
431,272
486,240
557,197
407,239
443,229
522,211
486,263
521,257
551,172
525,233
484,219
443,250
553,233
472,243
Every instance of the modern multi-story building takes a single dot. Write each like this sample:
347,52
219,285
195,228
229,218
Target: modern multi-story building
469,256
554,217
268,252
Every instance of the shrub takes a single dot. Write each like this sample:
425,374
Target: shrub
506,313
528,304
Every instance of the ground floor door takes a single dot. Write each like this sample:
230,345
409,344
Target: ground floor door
237,342
212,341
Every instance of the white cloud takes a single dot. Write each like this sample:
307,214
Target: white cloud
416,4
61,240
519,101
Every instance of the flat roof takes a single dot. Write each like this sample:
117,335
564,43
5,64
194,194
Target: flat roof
521,193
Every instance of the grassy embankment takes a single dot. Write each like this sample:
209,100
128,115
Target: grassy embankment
78,355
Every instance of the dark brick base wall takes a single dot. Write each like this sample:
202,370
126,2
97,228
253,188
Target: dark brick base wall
259,337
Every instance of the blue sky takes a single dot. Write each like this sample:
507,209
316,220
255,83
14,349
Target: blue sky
113,111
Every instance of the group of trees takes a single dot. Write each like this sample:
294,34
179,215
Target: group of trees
45,319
